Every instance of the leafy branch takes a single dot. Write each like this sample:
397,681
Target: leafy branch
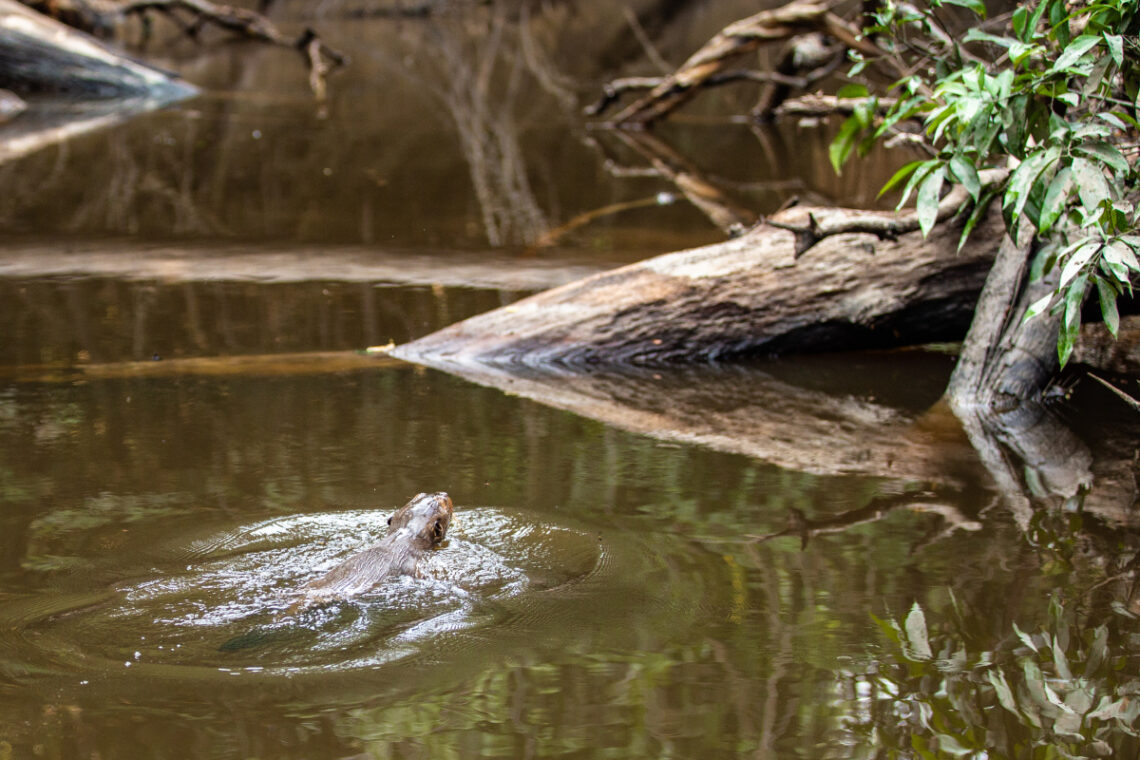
1054,100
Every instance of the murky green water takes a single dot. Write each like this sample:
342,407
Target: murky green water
605,591
685,564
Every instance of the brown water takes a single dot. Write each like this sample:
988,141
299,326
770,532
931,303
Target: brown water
187,433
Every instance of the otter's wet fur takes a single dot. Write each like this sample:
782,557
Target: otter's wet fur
413,529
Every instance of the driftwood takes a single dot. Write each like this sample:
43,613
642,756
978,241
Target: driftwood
753,296
709,66
40,55
103,16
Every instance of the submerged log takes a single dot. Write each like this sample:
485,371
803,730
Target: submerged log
752,296
40,55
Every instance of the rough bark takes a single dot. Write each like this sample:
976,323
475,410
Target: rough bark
40,55
753,296
1098,348
1004,359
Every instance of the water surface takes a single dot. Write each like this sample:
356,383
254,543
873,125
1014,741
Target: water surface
189,429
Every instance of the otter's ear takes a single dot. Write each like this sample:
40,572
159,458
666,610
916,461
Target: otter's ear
437,530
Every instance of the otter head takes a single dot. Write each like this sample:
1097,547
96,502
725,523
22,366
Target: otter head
426,519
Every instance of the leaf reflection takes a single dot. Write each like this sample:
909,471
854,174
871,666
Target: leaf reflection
1067,690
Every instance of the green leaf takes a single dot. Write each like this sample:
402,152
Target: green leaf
844,142
1071,323
900,175
975,5
964,172
1118,253
1105,152
1019,51
1076,261
1056,197
916,633
1074,51
1031,24
852,91
1107,295
1023,179
1112,119
976,215
1115,45
1107,709
919,175
1092,188
929,193
973,34
1018,21
1037,307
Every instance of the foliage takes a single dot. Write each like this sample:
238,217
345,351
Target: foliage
1057,104
1062,692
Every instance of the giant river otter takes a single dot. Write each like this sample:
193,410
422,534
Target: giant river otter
415,528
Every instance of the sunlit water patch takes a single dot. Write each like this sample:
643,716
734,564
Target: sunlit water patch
218,603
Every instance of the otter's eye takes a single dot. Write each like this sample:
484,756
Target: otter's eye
389,520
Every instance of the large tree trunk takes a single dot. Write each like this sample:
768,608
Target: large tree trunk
1004,359
752,296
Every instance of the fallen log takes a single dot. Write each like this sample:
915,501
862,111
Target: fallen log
757,295
40,55
103,17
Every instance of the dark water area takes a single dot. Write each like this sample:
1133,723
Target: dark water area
712,562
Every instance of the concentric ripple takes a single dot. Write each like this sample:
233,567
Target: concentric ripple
215,603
